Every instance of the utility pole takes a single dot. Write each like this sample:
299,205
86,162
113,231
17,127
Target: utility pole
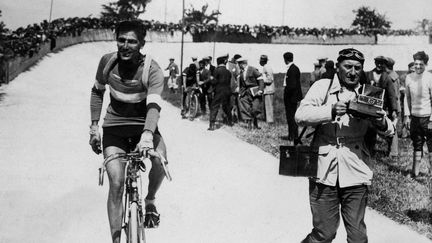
214,37
182,89
165,12
49,21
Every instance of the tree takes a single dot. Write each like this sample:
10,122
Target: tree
3,29
195,16
370,22
424,26
124,9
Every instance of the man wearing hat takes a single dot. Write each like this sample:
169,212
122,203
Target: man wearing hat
251,90
380,78
315,74
172,78
207,87
222,92
402,78
269,88
292,94
234,68
343,175
322,61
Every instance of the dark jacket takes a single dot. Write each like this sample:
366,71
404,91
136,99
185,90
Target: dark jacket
252,78
222,80
293,85
386,83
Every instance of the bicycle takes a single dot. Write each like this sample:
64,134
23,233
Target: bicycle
133,217
193,101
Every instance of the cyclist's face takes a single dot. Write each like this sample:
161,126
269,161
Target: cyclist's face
128,45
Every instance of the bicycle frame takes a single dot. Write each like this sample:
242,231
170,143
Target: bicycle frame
133,219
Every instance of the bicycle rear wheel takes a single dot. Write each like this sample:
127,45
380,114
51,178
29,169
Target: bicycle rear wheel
193,106
135,225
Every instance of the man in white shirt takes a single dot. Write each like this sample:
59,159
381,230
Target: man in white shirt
417,108
269,88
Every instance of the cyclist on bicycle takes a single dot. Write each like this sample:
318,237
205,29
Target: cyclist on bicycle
136,82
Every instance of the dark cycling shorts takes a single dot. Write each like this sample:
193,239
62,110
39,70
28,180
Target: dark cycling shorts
127,137
420,133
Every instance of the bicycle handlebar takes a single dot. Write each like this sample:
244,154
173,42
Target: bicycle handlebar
134,155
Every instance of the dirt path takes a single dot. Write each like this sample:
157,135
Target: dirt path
224,190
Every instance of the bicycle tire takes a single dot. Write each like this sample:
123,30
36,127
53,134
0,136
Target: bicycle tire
193,106
135,225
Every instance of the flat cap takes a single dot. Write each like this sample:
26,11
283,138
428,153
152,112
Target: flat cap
242,59
264,57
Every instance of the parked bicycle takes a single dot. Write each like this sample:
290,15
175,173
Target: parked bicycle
133,216
193,101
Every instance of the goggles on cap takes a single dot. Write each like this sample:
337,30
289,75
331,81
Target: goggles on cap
351,53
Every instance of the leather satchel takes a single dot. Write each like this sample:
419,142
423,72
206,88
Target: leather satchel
298,159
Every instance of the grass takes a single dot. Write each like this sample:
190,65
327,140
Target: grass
392,193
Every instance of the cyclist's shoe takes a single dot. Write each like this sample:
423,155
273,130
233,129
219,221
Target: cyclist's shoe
152,217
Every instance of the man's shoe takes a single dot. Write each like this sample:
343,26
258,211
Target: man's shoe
249,124
152,217
212,127
255,123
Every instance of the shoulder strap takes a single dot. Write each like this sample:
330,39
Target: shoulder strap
109,66
298,140
146,70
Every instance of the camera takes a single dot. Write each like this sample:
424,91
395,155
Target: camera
367,103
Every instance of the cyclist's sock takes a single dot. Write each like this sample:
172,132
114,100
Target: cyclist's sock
149,201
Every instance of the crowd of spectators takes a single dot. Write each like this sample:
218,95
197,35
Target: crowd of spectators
26,41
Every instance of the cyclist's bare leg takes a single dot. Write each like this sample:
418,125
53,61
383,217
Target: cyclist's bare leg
115,170
156,174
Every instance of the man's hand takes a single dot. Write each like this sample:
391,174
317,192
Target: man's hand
394,115
146,142
95,139
259,92
380,122
340,108
407,122
430,125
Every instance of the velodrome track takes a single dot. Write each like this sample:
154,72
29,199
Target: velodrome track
224,190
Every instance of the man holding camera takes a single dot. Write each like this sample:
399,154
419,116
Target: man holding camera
341,183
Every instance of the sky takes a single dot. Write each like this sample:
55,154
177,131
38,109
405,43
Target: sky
296,13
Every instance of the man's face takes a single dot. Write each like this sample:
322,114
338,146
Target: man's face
419,66
128,45
379,65
242,65
263,62
349,72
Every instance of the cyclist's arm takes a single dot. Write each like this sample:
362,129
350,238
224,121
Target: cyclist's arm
154,99
97,93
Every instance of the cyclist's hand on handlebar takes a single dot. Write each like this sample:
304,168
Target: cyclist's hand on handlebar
95,139
145,143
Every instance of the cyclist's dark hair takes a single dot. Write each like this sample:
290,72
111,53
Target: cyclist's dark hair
132,25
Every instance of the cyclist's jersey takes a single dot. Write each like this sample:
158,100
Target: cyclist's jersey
129,95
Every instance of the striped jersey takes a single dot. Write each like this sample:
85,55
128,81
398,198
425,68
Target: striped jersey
128,94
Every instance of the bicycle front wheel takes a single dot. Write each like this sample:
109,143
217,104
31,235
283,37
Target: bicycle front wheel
193,106
135,225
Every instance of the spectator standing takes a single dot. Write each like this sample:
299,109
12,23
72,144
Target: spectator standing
315,74
203,80
269,88
330,70
393,144
292,94
234,68
341,184
418,114
402,78
380,78
222,92
172,78
250,95
322,61
207,87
